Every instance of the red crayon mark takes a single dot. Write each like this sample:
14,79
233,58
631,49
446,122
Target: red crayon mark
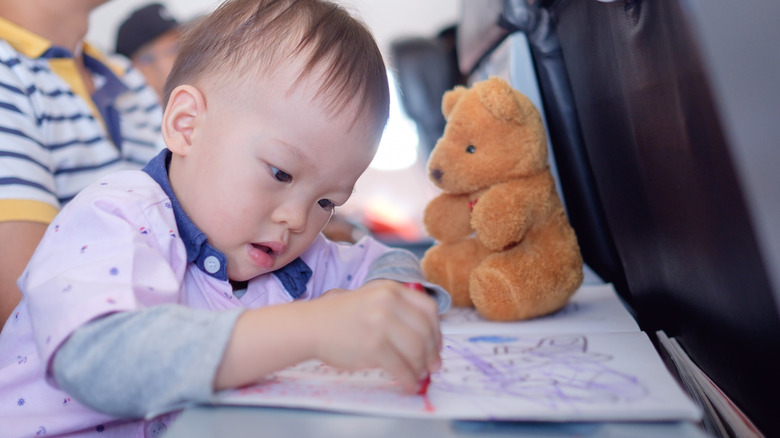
428,405
424,385
427,380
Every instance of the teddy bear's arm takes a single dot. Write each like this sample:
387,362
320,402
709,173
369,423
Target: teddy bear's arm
446,217
505,212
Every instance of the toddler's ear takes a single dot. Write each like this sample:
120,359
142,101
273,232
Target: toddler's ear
185,104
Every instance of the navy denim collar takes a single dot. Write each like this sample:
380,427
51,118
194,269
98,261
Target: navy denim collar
208,259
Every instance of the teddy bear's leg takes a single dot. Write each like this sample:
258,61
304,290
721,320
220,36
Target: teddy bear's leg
525,282
449,265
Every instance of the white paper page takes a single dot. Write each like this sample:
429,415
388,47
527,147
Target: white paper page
570,377
592,309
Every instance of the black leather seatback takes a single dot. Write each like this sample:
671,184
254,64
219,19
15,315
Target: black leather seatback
671,193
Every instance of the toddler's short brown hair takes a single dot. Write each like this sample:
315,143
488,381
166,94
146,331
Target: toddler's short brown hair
253,36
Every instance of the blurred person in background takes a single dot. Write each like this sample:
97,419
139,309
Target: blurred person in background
149,37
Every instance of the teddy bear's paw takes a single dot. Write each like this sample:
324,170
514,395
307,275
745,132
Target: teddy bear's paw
439,271
494,296
460,296
457,287
449,265
497,238
501,296
446,218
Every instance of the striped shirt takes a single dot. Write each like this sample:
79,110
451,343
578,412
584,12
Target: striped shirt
55,138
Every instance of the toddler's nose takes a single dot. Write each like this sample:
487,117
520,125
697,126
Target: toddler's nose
292,214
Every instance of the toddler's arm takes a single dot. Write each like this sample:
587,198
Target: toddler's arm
165,355
128,364
403,266
159,357
380,325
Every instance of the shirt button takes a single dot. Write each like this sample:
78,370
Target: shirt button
211,264
155,429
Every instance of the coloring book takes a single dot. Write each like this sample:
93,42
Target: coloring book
587,362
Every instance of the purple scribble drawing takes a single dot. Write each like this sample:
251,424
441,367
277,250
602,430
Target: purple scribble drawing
484,376
558,372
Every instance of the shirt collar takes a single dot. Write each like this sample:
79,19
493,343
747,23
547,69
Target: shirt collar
107,90
22,40
106,95
199,251
35,46
208,259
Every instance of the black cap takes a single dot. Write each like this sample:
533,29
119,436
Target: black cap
142,26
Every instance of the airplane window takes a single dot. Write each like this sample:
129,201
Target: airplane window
398,147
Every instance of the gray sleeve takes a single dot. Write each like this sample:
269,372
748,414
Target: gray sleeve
401,265
131,364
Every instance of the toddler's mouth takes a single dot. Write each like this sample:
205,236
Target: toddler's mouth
264,248
270,248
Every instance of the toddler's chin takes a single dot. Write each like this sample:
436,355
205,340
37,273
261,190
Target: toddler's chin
240,275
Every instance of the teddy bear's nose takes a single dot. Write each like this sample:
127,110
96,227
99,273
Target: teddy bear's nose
436,174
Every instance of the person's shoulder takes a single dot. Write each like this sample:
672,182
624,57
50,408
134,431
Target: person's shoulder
11,60
7,52
119,61
130,188
123,68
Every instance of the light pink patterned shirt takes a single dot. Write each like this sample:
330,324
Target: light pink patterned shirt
116,248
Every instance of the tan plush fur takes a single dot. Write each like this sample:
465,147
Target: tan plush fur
504,243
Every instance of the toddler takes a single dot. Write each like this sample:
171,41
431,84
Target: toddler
156,288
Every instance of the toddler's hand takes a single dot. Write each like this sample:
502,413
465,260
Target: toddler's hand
380,325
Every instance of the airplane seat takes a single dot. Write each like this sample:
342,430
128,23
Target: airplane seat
583,203
666,110
424,69
483,45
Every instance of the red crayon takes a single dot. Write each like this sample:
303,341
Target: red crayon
427,380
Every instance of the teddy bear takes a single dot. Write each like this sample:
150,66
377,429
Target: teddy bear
503,242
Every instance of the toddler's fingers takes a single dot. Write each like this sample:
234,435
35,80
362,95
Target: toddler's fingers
429,316
422,301
393,361
424,330
420,352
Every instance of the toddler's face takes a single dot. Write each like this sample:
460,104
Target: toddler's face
266,170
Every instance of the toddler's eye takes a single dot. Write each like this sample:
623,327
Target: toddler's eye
470,149
281,175
326,204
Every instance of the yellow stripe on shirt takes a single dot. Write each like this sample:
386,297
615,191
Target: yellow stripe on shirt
26,210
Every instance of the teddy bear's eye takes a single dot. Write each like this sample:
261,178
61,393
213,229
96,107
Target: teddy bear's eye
470,149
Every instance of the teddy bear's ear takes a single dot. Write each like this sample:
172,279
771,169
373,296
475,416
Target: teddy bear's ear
500,99
450,98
